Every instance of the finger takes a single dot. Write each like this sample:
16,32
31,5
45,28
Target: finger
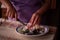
11,15
29,25
36,19
39,19
7,13
32,18
16,16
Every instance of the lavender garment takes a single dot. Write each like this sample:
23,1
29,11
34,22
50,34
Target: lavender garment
25,8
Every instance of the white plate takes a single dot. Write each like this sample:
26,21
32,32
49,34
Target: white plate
46,31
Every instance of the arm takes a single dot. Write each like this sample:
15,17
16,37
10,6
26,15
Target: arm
36,17
40,11
44,7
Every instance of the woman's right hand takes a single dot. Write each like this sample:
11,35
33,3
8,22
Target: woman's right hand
11,12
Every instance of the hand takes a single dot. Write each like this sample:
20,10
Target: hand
35,19
11,12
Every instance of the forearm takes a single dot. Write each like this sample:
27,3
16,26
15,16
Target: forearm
6,3
44,8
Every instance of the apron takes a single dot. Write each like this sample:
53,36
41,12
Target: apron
25,8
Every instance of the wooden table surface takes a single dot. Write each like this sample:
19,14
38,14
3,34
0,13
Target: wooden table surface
9,33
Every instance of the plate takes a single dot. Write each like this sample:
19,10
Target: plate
45,32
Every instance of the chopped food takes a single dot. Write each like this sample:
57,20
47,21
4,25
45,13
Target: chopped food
33,31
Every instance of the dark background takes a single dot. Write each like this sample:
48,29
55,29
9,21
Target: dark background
57,35
0,11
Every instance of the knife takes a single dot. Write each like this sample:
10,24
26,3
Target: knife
22,22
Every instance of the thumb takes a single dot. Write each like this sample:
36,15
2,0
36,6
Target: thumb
29,25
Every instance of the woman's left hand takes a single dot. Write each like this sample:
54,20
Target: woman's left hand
35,19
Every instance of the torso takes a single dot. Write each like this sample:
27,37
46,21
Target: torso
25,8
